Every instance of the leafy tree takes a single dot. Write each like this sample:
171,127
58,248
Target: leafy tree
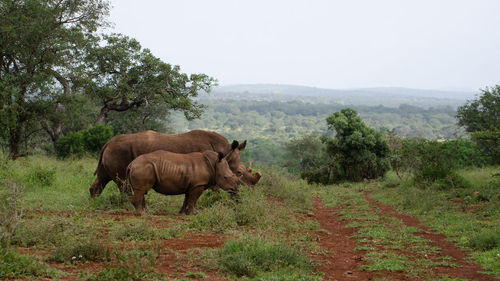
123,76
40,43
306,153
358,152
432,161
481,118
88,140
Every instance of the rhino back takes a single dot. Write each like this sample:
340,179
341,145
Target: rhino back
176,173
122,149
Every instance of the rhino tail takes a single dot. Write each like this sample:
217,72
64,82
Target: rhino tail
99,163
127,173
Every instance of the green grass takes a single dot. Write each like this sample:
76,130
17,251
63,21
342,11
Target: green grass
64,225
468,216
382,240
13,265
80,252
259,257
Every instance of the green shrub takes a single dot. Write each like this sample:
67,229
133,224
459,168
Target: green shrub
78,143
137,230
209,198
81,252
486,240
71,144
429,161
94,138
13,265
137,264
465,153
125,272
251,256
357,152
112,200
296,193
10,211
41,233
39,176
219,218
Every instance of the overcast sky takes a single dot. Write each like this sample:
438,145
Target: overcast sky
434,44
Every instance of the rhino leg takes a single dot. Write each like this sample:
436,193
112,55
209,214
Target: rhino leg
194,194
138,201
184,205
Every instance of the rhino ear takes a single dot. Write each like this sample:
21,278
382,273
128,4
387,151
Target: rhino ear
243,145
221,155
234,145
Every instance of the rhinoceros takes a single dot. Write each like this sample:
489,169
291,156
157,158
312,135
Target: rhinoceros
120,150
173,174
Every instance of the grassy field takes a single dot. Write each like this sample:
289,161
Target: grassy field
64,234
51,228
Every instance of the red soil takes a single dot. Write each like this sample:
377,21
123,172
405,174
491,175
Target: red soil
340,261
464,270
174,261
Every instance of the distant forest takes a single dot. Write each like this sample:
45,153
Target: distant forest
269,125
282,121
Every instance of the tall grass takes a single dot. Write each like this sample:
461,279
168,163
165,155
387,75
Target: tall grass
258,257
469,216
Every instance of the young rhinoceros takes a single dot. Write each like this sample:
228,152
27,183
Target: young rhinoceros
173,174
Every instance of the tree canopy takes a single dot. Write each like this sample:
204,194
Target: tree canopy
357,150
58,75
481,118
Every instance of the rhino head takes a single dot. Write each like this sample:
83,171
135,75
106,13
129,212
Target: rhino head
224,177
239,169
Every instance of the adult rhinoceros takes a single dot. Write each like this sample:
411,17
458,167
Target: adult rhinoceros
174,173
120,150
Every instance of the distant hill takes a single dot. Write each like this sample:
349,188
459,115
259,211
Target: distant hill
392,97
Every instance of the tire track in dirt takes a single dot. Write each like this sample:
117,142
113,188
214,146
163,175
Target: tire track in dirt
340,261
464,270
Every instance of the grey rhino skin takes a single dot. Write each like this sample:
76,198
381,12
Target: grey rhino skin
120,150
173,174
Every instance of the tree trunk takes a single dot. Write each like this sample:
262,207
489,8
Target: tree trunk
102,116
15,135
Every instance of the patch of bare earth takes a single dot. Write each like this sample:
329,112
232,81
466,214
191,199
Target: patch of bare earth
339,260
178,256
464,269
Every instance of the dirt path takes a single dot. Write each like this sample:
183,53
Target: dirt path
465,269
339,261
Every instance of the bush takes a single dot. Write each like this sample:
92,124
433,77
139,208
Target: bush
357,151
429,160
209,198
486,240
219,218
39,176
81,252
137,264
125,272
41,233
78,143
138,230
13,265
251,256
94,138
10,212
112,201
71,144
465,153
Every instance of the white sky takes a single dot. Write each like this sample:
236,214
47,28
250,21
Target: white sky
438,44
